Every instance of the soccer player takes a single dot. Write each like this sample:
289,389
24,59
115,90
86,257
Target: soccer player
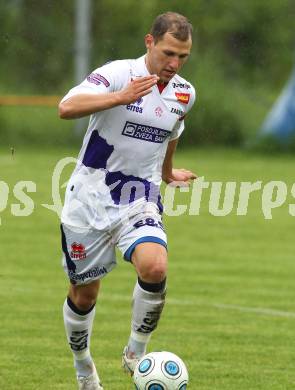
137,110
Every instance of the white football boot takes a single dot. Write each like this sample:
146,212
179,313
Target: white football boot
90,382
128,364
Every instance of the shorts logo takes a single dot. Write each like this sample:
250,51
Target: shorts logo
177,111
97,79
181,85
182,97
93,273
78,251
149,222
135,107
145,133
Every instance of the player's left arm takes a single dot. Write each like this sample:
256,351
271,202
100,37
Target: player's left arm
178,177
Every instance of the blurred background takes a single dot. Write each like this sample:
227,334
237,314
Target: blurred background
242,59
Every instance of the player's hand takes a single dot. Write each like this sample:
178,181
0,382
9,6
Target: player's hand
137,88
180,177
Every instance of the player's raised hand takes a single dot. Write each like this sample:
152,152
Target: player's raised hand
180,177
137,88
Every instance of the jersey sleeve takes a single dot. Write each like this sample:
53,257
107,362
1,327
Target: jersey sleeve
179,126
108,78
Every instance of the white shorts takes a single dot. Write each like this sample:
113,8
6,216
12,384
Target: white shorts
89,253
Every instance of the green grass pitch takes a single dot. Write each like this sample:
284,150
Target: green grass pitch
230,311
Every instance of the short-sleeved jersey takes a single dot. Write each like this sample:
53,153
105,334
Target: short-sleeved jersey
124,147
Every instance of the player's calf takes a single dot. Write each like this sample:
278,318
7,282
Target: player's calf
148,303
78,326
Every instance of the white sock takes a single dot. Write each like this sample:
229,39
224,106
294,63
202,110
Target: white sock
147,309
78,326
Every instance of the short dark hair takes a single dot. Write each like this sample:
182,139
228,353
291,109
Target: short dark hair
174,23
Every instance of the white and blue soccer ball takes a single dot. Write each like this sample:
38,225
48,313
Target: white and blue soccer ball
160,371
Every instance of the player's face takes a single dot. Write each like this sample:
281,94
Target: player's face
166,57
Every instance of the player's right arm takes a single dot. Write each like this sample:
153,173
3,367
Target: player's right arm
83,104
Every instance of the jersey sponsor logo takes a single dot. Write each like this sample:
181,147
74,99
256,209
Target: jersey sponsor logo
177,111
181,85
159,111
135,107
78,251
182,97
97,79
145,133
139,101
131,107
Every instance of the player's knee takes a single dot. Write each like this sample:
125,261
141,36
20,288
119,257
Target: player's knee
150,261
157,273
154,270
83,297
84,302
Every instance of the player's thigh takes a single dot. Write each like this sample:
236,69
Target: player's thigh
88,255
150,261
143,242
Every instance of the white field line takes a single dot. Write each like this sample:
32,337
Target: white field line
257,310
188,302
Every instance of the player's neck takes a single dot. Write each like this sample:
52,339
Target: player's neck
161,85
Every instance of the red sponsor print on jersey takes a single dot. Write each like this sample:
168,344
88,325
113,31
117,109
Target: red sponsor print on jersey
182,97
78,251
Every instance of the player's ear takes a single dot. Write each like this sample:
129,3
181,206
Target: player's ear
149,41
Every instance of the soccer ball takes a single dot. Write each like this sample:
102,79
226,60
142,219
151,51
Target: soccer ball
160,371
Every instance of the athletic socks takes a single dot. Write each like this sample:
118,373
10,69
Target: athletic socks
148,303
78,326
84,367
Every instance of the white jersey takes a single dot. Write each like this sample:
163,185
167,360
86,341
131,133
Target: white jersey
121,158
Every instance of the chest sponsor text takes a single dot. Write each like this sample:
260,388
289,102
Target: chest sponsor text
145,133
